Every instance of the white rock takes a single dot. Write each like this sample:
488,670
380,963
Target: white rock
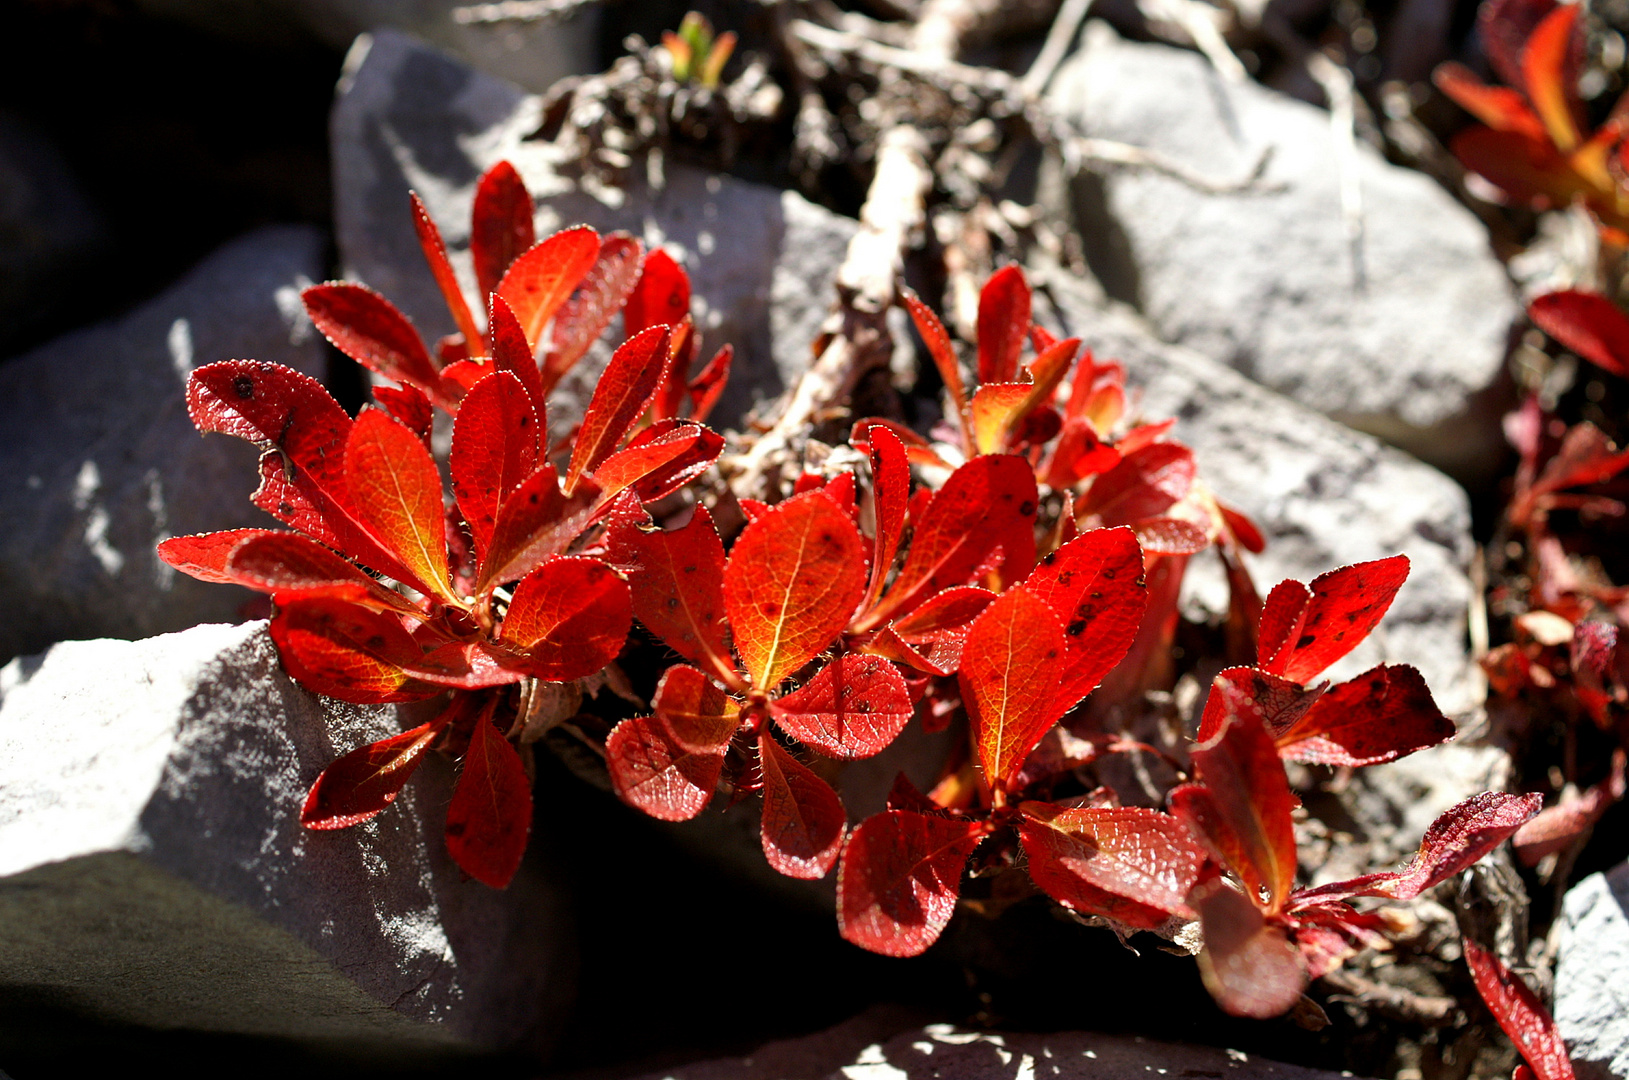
761,261
1592,975
1264,280
99,463
1323,495
153,868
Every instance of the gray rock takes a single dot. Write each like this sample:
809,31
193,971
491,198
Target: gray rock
532,52
48,230
1592,975
761,261
98,461
1323,495
1264,280
939,1051
154,871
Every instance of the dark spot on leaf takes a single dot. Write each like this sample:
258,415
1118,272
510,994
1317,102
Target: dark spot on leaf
1049,559
672,602
1097,595
1108,573
771,610
1027,509
1076,628
244,387
1306,639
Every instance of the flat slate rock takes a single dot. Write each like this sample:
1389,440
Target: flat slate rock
99,462
944,1052
1324,495
1264,280
1592,975
154,873
761,261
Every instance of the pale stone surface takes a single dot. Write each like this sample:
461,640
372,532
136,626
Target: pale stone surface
944,1052
761,261
1323,495
1592,975
154,870
99,462
1264,280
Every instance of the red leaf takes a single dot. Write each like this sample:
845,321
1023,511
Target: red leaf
1383,714
624,390
511,353
370,330
937,631
678,591
288,563
993,412
1241,807
1003,324
1169,536
537,521
804,820
655,774
706,388
890,494
1462,835
1588,324
1144,484
349,652
1243,529
1094,586
794,578
988,503
543,277
899,879
1248,965
1305,630
659,460
494,451
599,296
1499,107
1557,827
500,224
944,355
1132,865
1009,679
661,297
410,407
569,618
490,815
397,494
698,714
851,708
204,556
435,253
1526,169
1586,456
1504,27
1544,75
368,779
1280,702
1520,1013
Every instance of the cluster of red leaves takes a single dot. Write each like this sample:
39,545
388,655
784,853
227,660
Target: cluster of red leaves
1569,656
488,602
805,594
1534,146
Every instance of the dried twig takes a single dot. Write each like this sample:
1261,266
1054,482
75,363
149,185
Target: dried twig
1064,28
1394,1001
